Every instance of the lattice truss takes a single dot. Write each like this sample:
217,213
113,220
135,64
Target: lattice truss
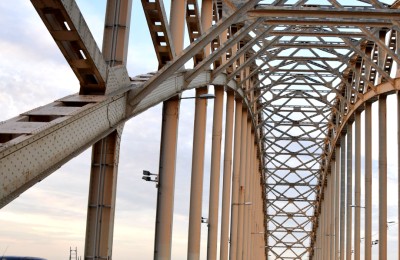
312,60
301,65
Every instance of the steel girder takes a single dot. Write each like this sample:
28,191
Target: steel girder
321,61
309,67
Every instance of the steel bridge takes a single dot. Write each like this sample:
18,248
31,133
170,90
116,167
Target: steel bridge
297,80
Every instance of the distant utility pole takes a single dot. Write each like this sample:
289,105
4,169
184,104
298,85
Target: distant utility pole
73,254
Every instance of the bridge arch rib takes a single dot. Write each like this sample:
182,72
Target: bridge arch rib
304,71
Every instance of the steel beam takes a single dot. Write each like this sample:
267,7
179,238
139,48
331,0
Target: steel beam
160,31
79,121
196,187
247,189
116,32
164,73
69,30
166,179
242,183
382,178
235,180
349,191
227,176
337,202
342,13
357,186
342,219
215,174
169,139
102,196
398,168
368,181
105,153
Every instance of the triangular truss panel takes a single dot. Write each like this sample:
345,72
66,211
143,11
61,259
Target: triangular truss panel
307,57
298,66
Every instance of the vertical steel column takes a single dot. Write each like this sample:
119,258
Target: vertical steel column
177,24
206,20
235,180
333,208
250,189
342,195
215,174
398,161
337,201
321,230
321,233
325,247
168,148
226,189
382,179
248,173
116,32
327,217
105,153
166,180
318,244
357,187
196,187
255,208
349,215
242,183
368,180
101,202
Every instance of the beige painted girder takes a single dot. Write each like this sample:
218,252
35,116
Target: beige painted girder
159,30
193,24
374,63
398,168
166,179
383,207
215,174
105,152
309,12
242,182
168,146
349,190
357,187
102,196
368,182
164,73
227,176
227,45
92,118
235,180
116,32
342,223
199,132
196,187
67,26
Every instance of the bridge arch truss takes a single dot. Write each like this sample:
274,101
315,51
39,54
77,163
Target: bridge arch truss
300,79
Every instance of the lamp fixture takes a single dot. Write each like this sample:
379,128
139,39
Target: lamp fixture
147,176
204,220
202,96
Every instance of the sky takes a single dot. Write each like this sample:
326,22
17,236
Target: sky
49,218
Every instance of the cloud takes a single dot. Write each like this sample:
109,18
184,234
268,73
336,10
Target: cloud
51,216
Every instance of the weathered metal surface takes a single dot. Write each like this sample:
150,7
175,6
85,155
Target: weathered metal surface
303,72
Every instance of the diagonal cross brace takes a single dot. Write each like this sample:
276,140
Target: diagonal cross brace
67,26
